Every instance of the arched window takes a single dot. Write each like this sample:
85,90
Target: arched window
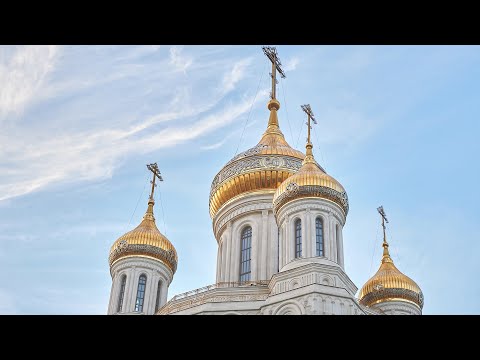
157,302
142,282
123,282
246,254
319,236
298,238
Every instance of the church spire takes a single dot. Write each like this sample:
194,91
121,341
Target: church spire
386,254
309,153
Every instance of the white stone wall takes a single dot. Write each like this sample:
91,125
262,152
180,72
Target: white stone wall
157,273
307,210
398,308
254,210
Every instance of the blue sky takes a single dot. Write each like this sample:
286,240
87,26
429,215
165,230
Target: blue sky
397,126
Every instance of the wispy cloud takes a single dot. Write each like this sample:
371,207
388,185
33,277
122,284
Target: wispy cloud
180,61
23,72
88,153
214,146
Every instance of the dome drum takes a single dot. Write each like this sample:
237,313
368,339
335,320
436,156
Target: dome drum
293,191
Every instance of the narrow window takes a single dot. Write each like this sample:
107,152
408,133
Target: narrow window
123,282
157,302
246,254
298,238
142,282
319,236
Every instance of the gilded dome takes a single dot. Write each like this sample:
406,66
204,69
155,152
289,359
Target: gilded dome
145,240
261,168
310,181
389,284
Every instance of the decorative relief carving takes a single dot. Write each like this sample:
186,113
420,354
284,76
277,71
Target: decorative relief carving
382,293
124,249
254,162
196,300
340,198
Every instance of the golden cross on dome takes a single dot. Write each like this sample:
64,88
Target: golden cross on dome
156,175
308,110
271,53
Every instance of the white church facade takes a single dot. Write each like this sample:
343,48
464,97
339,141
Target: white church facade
278,220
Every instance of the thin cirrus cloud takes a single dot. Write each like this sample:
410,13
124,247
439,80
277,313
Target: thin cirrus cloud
23,72
89,154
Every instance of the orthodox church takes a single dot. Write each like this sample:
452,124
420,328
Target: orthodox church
278,219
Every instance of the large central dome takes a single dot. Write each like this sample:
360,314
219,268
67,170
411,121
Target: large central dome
261,168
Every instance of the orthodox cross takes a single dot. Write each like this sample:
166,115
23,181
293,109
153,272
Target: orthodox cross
271,53
384,220
308,110
156,175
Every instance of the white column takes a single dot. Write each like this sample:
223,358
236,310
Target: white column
153,294
280,250
308,233
113,295
146,295
262,264
235,258
256,234
334,238
291,244
329,237
303,218
273,248
164,292
232,253
340,246
228,244
129,299
224,260
219,261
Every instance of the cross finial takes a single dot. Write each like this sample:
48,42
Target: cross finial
156,175
308,110
271,53
386,254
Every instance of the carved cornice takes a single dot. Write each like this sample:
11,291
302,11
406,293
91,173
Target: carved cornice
124,249
212,296
391,294
144,263
254,162
293,191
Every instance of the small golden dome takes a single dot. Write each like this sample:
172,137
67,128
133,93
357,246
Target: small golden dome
145,240
261,168
389,284
310,181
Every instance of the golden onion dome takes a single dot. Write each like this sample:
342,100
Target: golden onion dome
261,168
145,240
389,284
310,181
